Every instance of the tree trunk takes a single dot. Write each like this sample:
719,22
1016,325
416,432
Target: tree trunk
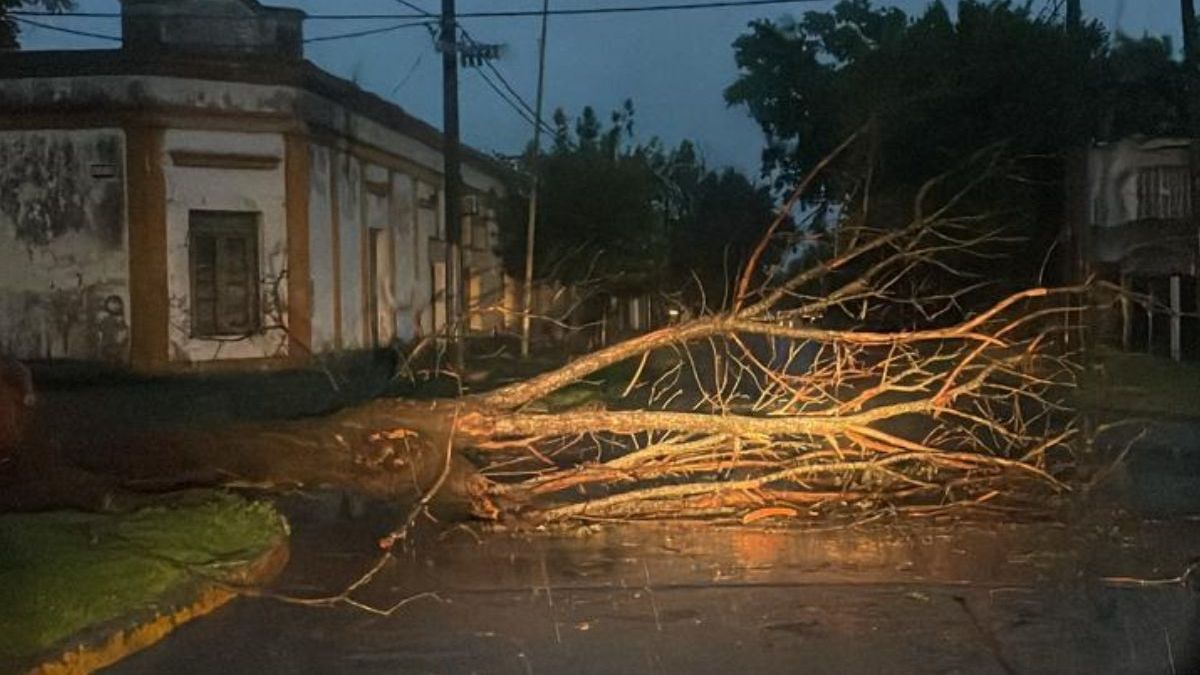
966,413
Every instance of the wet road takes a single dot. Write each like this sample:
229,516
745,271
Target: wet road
917,599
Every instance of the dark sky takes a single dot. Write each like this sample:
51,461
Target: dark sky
673,65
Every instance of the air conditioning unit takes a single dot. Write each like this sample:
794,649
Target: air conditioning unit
470,205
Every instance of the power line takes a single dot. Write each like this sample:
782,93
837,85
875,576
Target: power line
364,33
415,8
520,106
69,31
505,83
527,113
578,11
529,117
490,84
626,9
506,92
500,76
412,69
504,97
318,38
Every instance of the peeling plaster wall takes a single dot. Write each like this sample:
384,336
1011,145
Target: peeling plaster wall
485,288
320,249
114,91
64,262
427,229
369,198
379,225
229,97
403,218
227,189
350,226
63,278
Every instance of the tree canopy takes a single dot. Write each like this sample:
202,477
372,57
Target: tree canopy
714,237
940,87
634,216
597,215
934,89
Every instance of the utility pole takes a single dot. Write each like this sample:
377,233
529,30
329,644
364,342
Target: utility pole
453,179
531,228
1074,15
1188,10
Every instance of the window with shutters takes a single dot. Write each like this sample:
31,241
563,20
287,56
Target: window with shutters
223,251
1164,192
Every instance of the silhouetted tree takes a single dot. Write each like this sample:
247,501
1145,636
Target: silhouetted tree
636,217
934,89
713,238
598,215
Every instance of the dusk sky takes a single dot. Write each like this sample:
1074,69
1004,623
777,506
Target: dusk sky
674,65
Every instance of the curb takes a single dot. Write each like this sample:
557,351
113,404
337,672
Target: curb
112,645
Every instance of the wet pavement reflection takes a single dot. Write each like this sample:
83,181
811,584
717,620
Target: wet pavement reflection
917,598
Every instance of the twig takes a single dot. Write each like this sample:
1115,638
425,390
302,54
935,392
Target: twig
387,543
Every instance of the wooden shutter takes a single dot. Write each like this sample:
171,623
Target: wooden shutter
223,248
1164,192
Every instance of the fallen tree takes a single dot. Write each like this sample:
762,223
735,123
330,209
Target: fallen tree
795,399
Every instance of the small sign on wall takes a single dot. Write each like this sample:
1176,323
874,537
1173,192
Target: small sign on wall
104,171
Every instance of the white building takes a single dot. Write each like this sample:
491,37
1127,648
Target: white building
204,195
1140,231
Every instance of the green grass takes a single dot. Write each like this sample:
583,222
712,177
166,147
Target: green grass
64,572
1139,383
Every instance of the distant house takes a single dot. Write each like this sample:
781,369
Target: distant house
1139,230
203,195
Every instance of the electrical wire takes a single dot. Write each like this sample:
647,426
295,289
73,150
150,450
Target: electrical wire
577,11
505,83
317,38
504,97
629,9
505,90
500,76
516,102
364,33
60,29
411,70
23,17
532,114
415,7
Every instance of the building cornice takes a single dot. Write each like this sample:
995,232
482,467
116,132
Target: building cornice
296,74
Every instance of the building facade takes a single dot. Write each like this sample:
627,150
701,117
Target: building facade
1140,233
205,196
